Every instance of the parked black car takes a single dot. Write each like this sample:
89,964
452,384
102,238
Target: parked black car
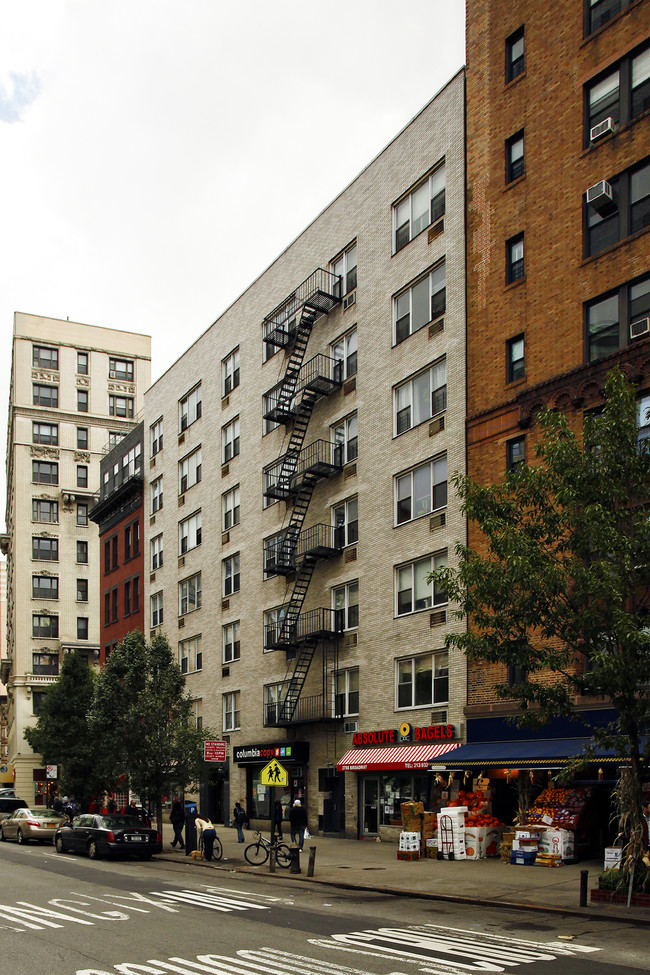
111,835
9,804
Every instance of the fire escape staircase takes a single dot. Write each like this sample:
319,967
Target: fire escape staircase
299,470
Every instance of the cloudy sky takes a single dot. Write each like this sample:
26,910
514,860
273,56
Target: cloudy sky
158,154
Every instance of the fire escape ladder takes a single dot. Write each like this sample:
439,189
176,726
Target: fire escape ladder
297,680
289,386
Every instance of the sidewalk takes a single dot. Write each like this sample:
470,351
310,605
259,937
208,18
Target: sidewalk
365,865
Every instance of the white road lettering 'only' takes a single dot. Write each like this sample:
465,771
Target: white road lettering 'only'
271,961
84,909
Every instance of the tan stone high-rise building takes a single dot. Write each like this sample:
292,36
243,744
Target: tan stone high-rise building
298,458
74,389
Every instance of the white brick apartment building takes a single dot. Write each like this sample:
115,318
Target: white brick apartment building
74,388
297,495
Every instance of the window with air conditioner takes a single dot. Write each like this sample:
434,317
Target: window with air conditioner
617,318
618,95
422,206
421,397
422,302
121,369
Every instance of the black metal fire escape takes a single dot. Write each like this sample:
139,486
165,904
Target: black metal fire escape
299,470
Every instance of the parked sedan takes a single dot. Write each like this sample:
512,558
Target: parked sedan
107,836
24,825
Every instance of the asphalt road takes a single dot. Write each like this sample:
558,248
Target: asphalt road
67,915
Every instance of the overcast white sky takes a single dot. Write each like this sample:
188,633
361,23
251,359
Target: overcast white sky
158,154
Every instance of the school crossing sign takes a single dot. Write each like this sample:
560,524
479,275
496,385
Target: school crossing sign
274,774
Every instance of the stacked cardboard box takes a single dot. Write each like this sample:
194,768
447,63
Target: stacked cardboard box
451,833
559,842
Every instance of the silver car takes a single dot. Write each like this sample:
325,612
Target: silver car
31,824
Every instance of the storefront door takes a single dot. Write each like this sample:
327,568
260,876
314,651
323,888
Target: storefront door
370,807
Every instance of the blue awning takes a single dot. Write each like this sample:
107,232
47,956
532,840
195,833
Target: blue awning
540,753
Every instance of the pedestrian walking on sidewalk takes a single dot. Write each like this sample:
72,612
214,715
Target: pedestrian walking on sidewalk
298,823
240,819
177,819
277,818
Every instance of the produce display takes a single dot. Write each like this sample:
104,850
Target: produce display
478,807
563,807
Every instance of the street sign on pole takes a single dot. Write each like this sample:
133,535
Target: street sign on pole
51,771
214,751
274,774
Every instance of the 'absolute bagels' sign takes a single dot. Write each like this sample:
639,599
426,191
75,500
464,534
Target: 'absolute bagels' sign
405,732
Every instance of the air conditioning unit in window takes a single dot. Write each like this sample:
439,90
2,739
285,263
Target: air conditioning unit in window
639,328
439,716
602,129
349,300
600,197
112,374
350,727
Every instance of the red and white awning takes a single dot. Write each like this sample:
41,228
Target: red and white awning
402,758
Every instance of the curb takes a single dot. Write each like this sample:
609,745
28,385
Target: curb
422,895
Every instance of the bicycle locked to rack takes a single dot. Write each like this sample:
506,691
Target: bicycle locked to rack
258,852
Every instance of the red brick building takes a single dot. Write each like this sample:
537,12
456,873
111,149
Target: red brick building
119,515
558,269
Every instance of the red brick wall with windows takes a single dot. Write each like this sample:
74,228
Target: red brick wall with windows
545,203
127,535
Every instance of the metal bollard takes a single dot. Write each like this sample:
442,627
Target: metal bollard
312,861
294,866
272,853
584,879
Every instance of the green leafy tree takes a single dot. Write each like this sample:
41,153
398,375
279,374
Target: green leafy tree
560,588
145,721
61,733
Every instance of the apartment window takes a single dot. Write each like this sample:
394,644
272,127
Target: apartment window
420,303
231,711
515,452
189,594
45,395
82,438
515,361
423,680
273,697
120,406
128,537
640,101
121,369
230,509
37,701
517,674
603,101
189,533
515,157
156,495
515,62
44,357
273,620
82,476
156,431
189,471
45,664
107,608
599,12
271,477
82,400
82,363
603,331
230,373
107,556
230,575
345,518
231,647
189,408
46,512
82,590
421,398
46,433
347,693
230,440
45,549
190,656
156,607
621,209
421,207
269,402
45,626
114,437
82,627
82,552
131,462
156,546
82,514
277,548
45,587
621,94
346,437
413,590
344,350
345,602
345,266
114,599
421,491
127,597
515,270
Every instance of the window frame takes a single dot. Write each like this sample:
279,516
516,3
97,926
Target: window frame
39,541
345,522
515,64
230,508
116,409
45,433
156,437
40,467
156,609
435,195
190,408
83,361
41,632
45,587
346,260
432,277
437,397
230,440
618,220
156,488
231,642
190,594
515,265
50,361
230,372
348,343
115,370
45,396
82,552
82,590
230,575
435,466
156,552
515,167
190,650
190,532
513,374
513,445
83,401
441,675
190,470
231,710
344,697
436,597
345,436
347,610
40,503
45,664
